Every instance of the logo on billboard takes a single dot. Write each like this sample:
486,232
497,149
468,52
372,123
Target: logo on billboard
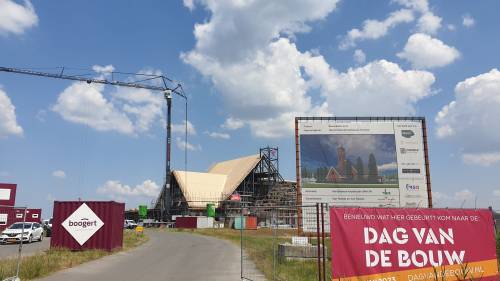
82,224
411,171
408,150
412,187
407,133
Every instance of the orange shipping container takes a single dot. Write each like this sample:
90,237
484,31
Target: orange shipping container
251,223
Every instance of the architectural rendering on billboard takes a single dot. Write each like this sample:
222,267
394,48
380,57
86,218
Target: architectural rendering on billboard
365,162
408,244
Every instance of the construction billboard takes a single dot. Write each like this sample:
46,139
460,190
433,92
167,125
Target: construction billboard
363,162
408,244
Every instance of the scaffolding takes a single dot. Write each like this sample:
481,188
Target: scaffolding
255,187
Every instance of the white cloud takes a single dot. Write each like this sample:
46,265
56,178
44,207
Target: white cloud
129,111
244,51
440,199
232,124
464,195
421,6
451,27
115,188
84,103
496,192
429,23
423,51
15,18
359,91
468,21
374,29
388,166
262,89
60,174
359,56
189,4
181,128
183,145
8,120
438,196
236,29
471,119
216,135
482,159
142,107
103,69
267,81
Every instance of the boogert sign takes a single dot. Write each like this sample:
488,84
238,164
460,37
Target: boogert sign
82,224
388,244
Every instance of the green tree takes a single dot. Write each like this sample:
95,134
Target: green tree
321,174
304,173
360,168
372,168
348,170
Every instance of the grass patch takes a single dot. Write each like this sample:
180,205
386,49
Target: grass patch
498,248
258,245
53,260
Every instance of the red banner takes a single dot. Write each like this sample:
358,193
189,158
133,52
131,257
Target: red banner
376,244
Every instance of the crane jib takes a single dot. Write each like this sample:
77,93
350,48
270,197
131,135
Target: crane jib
94,80
178,90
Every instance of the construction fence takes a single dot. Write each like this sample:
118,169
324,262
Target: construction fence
283,243
280,242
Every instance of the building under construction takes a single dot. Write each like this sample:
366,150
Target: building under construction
248,183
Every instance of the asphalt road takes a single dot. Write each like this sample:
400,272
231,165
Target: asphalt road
167,256
11,250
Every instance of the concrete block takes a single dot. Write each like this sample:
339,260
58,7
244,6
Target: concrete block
297,252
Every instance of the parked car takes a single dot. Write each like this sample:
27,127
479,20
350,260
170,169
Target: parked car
129,224
32,232
47,227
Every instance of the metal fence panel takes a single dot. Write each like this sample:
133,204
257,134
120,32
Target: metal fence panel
279,244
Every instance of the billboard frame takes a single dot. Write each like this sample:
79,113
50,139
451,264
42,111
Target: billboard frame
297,151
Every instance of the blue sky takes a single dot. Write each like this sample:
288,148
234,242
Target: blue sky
248,67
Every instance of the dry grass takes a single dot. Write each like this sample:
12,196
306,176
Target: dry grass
498,248
53,260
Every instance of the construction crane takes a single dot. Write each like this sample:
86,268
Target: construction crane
141,84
